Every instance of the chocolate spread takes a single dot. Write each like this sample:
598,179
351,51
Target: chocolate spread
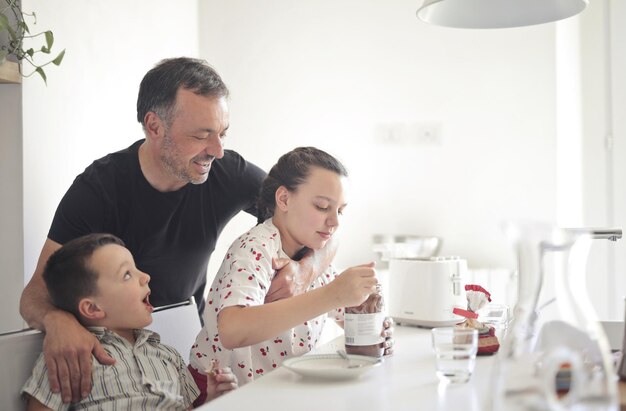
364,326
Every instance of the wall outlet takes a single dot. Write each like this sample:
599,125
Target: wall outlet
415,134
426,134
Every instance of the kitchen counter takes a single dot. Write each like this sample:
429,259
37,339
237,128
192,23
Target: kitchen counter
405,381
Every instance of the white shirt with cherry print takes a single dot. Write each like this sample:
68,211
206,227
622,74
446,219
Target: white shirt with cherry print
243,280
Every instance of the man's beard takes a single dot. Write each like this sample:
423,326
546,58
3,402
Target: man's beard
175,165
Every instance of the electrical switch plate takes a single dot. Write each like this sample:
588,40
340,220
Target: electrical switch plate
390,133
427,134
415,134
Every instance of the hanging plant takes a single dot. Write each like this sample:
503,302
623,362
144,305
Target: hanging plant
15,23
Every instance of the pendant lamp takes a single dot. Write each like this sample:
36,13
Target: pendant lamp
493,14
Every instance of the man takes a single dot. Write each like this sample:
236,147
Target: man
167,197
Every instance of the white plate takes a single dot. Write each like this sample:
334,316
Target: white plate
429,324
331,366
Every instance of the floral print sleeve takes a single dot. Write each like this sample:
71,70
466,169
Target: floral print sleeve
246,273
243,280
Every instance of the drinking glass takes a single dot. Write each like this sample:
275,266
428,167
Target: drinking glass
456,353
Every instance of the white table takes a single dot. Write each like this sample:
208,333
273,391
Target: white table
406,381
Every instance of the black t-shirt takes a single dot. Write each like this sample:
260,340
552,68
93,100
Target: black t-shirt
171,235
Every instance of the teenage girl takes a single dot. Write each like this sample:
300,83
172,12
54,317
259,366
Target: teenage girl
302,201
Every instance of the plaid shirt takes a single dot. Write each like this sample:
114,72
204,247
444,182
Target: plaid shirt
146,376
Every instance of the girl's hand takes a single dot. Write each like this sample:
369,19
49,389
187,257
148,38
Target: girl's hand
353,286
220,382
388,334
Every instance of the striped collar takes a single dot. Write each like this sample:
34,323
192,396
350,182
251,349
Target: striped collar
141,335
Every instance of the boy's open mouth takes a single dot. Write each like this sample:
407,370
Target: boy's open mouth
146,301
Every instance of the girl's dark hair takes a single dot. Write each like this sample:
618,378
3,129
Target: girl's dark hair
291,170
157,91
68,275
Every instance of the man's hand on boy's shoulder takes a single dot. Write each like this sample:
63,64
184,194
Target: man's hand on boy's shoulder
295,277
67,349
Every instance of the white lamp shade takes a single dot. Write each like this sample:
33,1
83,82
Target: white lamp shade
491,14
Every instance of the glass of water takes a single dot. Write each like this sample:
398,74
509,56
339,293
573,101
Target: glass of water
456,353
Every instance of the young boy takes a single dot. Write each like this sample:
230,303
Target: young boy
95,278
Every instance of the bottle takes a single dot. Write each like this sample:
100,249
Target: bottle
555,355
363,326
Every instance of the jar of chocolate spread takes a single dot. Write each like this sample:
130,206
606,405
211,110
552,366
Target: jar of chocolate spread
363,326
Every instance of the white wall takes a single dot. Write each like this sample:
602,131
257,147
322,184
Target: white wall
86,111
88,108
329,73
11,245
11,206
617,17
603,64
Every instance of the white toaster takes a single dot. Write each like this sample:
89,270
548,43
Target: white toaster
423,292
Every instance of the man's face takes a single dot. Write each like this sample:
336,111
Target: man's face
194,138
122,289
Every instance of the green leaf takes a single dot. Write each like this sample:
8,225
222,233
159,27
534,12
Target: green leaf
57,61
42,74
45,49
30,52
4,22
12,33
49,39
22,25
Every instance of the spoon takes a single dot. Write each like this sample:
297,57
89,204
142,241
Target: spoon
345,356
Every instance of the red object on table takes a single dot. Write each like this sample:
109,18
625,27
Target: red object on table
464,313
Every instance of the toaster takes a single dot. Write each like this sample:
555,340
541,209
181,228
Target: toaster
423,291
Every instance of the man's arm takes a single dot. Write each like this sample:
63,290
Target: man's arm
35,302
67,345
294,278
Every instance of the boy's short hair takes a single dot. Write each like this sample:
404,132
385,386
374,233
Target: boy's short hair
68,275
